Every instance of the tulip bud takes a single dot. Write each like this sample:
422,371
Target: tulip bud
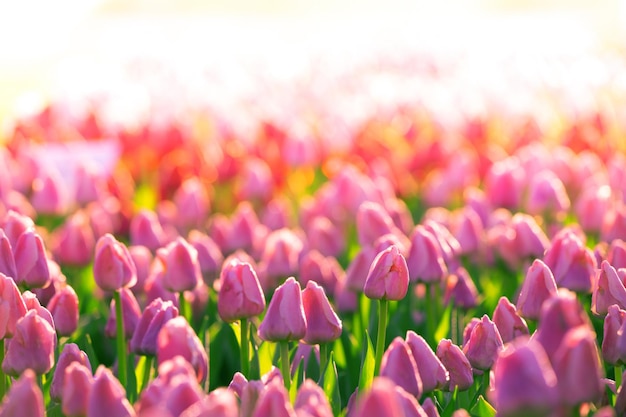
240,293
113,267
181,269
76,388
64,309
399,366
284,319
130,315
388,276
312,401
572,264
280,256
276,214
107,397
468,231
210,256
303,353
32,303
430,408
255,180
74,242
30,260
546,193
592,206
7,262
322,323
455,361
71,353
469,327
14,224
372,221
538,286
425,260
460,289
530,240
608,290
509,324
484,344
175,338
193,203
409,403
357,270
431,371
31,347
504,183
142,258
325,271
274,401
220,402
613,321
242,229
146,230
524,381
325,237
11,305
379,401
24,398
155,315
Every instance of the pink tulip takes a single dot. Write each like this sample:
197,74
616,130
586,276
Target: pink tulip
591,207
274,401
510,325
71,354
50,194
31,347
74,242
107,397
322,323
131,312
12,306
154,316
409,403
524,381
32,303
357,270
31,261
280,256
142,258
277,213
399,365
76,389
175,338
181,268
255,181
431,371
64,309
220,402
325,271
425,260
24,398
379,401
430,408
468,231
113,266
240,294
455,361
546,194
608,290
484,344
285,318
504,183
311,401
572,264
242,229
617,254
372,221
146,230
613,322
209,255
7,262
193,203
325,237
538,286
388,276
460,289
14,224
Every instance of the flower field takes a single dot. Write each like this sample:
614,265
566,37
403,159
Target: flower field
403,235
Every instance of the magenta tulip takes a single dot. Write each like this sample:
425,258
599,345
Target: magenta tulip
285,318
455,361
608,290
510,325
388,276
12,306
154,316
240,294
71,354
538,286
322,323
64,309
181,268
24,398
113,266
31,262
31,347
107,397
76,388
175,338
431,371
398,364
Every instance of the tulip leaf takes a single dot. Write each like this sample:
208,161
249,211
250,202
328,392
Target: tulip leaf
482,408
54,411
296,381
331,385
265,355
367,364
131,388
443,328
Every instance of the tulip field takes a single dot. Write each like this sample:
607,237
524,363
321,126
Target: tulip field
400,236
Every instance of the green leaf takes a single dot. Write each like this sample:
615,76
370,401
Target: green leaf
443,328
367,365
296,381
482,408
265,354
331,385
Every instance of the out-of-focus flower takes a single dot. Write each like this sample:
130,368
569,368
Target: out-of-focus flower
430,408
14,224
107,396
425,261
240,294
460,289
538,286
142,258
591,207
12,306
193,204
146,230
285,318
181,268
76,389
399,365
31,347
7,262
322,323
24,398
64,309
50,194
455,361
255,181
357,270
379,401
547,195
372,222
504,183
154,316
312,401
209,255
113,266
71,353
572,264
616,255
613,322
74,242
484,344
614,226
324,270
608,290
325,237
31,262
131,313
510,325
280,257
277,213
176,337
274,401
220,402
388,276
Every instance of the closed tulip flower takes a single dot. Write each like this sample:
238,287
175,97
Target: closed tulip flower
572,264
74,242
31,261
7,262
357,270
425,260
388,276
71,354
107,397
399,366
312,400
430,408
510,325
181,268
14,224
460,289
11,305
113,267
64,309
432,372
24,398
322,323
455,361
146,230
484,344
274,401
76,388
210,256
154,316
608,290
220,402
285,319
31,347
538,286
178,338
613,322
240,293
380,400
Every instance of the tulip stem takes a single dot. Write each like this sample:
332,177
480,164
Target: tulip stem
431,312
245,345
284,363
323,361
182,306
382,329
3,377
618,377
121,339
147,370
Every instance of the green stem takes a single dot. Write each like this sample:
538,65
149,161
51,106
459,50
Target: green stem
147,370
121,339
431,319
245,346
323,361
3,378
382,329
284,363
618,376
183,306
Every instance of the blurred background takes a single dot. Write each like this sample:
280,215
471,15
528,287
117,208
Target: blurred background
63,47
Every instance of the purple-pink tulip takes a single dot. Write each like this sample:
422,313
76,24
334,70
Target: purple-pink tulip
64,309
220,402
154,316
71,354
484,344
7,262
12,306
322,323
240,294
31,347
379,400
573,264
24,398
74,241
457,364
131,312
613,322
431,371
175,338
113,267
608,290
76,388
181,268
538,286
425,260
311,401
31,262
274,401
399,365
285,318
108,397
510,325
388,276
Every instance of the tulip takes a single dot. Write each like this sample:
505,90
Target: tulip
12,306
483,345
538,286
572,264
357,270
504,183
154,316
276,214
510,325
530,240
457,364
71,354
325,237
430,408
64,309
617,254
255,181
325,271
613,322
303,353
379,401
524,381
14,224
7,262
31,347
209,256
546,194
431,371
608,290
323,325
592,206
24,398
460,289
372,221
181,270
176,337
398,364
425,260
113,266
242,229
74,242
193,203
284,320
142,258
274,401
220,402
32,303
107,396
280,257
146,230
76,389
312,401
409,403
31,262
